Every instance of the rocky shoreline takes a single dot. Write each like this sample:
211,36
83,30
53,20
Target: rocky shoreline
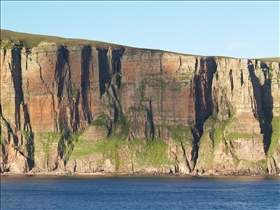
143,174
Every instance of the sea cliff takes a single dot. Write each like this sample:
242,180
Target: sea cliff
79,106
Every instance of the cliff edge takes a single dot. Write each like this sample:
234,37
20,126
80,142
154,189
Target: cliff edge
84,106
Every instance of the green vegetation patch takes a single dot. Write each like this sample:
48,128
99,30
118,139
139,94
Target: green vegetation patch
260,165
235,135
182,134
85,147
47,140
2,140
98,122
274,59
150,152
206,143
28,147
110,148
142,152
222,57
67,144
61,142
218,131
206,155
11,38
49,137
5,127
209,123
116,141
74,93
275,137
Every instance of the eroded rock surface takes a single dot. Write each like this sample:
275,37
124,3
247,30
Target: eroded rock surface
89,108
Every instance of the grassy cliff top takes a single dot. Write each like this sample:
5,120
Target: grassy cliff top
11,38
274,59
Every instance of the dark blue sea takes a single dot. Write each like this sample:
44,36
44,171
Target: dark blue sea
157,193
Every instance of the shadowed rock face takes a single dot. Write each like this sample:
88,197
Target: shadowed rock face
85,108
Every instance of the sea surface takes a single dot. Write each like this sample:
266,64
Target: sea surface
157,192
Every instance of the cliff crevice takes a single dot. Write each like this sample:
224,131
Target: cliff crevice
91,108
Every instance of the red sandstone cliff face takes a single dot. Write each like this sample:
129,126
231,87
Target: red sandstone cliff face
85,108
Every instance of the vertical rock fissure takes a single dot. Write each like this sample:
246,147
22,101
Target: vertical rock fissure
241,77
116,60
103,70
85,83
267,106
25,129
256,91
29,138
61,72
231,80
151,121
62,58
76,117
17,83
263,102
4,54
203,100
203,92
109,61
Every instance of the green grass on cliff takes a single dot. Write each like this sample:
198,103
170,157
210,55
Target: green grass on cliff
218,133
110,148
206,154
46,141
275,137
113,146
182,134
142,152
11,38
67,145
258,166
98,122
86,147
149,152
274,59
236,135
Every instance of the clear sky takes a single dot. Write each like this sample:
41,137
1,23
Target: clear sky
235,29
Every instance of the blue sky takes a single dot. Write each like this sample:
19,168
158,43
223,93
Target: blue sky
235,29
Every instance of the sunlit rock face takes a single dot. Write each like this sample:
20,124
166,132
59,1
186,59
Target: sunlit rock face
107,108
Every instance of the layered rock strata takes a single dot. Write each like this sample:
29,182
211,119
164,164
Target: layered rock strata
89,108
